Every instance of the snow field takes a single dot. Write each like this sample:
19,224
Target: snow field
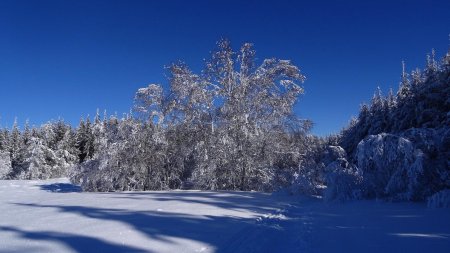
54,216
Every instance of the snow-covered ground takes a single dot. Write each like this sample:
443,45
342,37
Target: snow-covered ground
53,216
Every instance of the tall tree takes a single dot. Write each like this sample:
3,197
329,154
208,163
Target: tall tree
81,141
15,144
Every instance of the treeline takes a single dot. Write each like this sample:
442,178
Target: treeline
37,153
230,127
398,147
422,101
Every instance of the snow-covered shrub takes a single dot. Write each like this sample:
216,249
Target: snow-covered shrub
426,139
303,183
97,179
77,173
343,181
5,164
305,173
391,167
102,174
442,161
41,162
332,154
440,199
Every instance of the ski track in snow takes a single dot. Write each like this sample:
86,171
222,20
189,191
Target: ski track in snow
54,216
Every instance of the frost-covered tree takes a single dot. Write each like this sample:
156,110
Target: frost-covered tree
253,99
37,153
378,113
89,147
5,164
149,103
99,135
228,127
84,140
404,90
26,134
15,142
432,65
4,140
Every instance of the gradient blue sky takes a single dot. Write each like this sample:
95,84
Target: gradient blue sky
67,58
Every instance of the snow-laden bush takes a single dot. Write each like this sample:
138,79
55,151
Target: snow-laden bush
303,183
342,178
38,161
332,154
5,164
426,139
391,167
440,199
94,176
343,181
101,174
78,172
305,175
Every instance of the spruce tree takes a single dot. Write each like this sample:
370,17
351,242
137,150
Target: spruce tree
81,140
15,142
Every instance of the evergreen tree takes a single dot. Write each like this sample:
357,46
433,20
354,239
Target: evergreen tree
377,111
404,90
432,65
81,141
6,142
89,148
408,157
26,134
15,144
3,140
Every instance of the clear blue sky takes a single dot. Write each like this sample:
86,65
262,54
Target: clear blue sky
67,58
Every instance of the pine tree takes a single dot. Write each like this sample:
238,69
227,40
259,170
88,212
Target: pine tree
89,148
15,142
99,135
26,134
432,66
97,117
3,144
81,140
390,107
412,159
391,102
377,111
404,90
6,143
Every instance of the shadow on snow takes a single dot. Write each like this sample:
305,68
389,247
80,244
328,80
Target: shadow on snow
78,243
243,234
60,187
379,226
373,225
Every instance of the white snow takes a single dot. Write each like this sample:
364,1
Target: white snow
53,216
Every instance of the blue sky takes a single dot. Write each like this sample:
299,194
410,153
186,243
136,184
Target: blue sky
68,58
